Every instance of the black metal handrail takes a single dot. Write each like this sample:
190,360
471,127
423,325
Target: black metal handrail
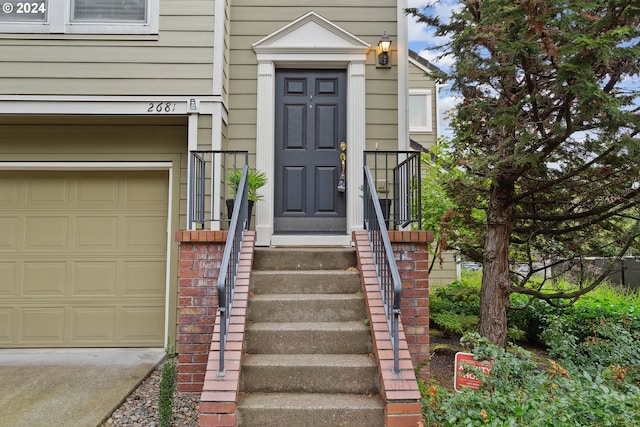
397,177
203,167
386,268
230,261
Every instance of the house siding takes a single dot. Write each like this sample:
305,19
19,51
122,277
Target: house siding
252,20
176,62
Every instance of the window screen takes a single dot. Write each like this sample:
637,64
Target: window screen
23,11
109,10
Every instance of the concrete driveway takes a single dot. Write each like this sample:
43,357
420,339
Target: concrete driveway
70,387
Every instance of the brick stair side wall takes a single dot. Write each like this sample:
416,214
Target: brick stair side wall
411,250
400,392
200,256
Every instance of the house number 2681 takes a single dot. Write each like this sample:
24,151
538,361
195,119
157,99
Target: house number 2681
161,107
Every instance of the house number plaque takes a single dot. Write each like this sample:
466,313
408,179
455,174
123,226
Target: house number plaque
161,107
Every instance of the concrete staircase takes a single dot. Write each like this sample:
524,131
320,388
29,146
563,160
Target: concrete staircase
308,358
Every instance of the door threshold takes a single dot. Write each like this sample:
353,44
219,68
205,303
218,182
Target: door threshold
310,240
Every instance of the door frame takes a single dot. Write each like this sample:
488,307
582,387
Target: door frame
296,46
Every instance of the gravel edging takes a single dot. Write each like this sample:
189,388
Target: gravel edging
140,408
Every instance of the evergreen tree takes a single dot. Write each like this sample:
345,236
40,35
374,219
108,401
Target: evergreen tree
547,138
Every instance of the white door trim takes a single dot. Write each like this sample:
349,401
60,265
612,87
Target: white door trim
310,42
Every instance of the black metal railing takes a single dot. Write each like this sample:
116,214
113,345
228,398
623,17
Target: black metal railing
210,186
386,268
230,261
397,176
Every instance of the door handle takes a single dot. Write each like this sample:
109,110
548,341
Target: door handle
342,182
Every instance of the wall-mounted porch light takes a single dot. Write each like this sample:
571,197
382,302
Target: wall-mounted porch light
384,47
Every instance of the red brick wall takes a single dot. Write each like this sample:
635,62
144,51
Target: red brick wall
199,257
411,249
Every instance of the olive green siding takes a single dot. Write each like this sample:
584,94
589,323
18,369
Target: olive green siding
177,61
252,20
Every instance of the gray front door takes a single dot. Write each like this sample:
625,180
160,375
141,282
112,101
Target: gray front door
310,119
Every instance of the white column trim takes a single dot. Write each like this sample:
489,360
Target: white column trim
217,120
192,144
356,141
219,32
265,149
403,77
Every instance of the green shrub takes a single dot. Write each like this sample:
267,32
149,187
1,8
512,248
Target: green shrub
518,393
456,324
168,380
602,345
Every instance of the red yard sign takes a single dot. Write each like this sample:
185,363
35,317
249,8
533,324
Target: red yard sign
467,379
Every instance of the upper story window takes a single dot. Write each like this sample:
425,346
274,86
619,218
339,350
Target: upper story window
79,16
420,110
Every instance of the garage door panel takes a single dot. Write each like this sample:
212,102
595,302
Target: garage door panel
143,324
146,232
50,191
8,278
6,325
97,191
145,192
83,258
43,326
8,233
93,324
144,278
44,279
46,233
94,278
9,192
97,233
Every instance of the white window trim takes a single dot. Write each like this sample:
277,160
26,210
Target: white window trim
428,110
59,22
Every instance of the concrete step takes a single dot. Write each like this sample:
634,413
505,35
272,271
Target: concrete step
308,337
304,258
305,281
306,308
310,410
309,373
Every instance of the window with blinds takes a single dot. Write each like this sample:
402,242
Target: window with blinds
109,10
80,16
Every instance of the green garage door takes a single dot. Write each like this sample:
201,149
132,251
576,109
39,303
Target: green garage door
83,258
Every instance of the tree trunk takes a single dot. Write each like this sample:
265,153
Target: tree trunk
494,293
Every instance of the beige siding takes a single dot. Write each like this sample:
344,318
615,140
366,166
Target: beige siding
177,61
444,273
252,20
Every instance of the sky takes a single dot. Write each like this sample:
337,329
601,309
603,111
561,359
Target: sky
420,39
